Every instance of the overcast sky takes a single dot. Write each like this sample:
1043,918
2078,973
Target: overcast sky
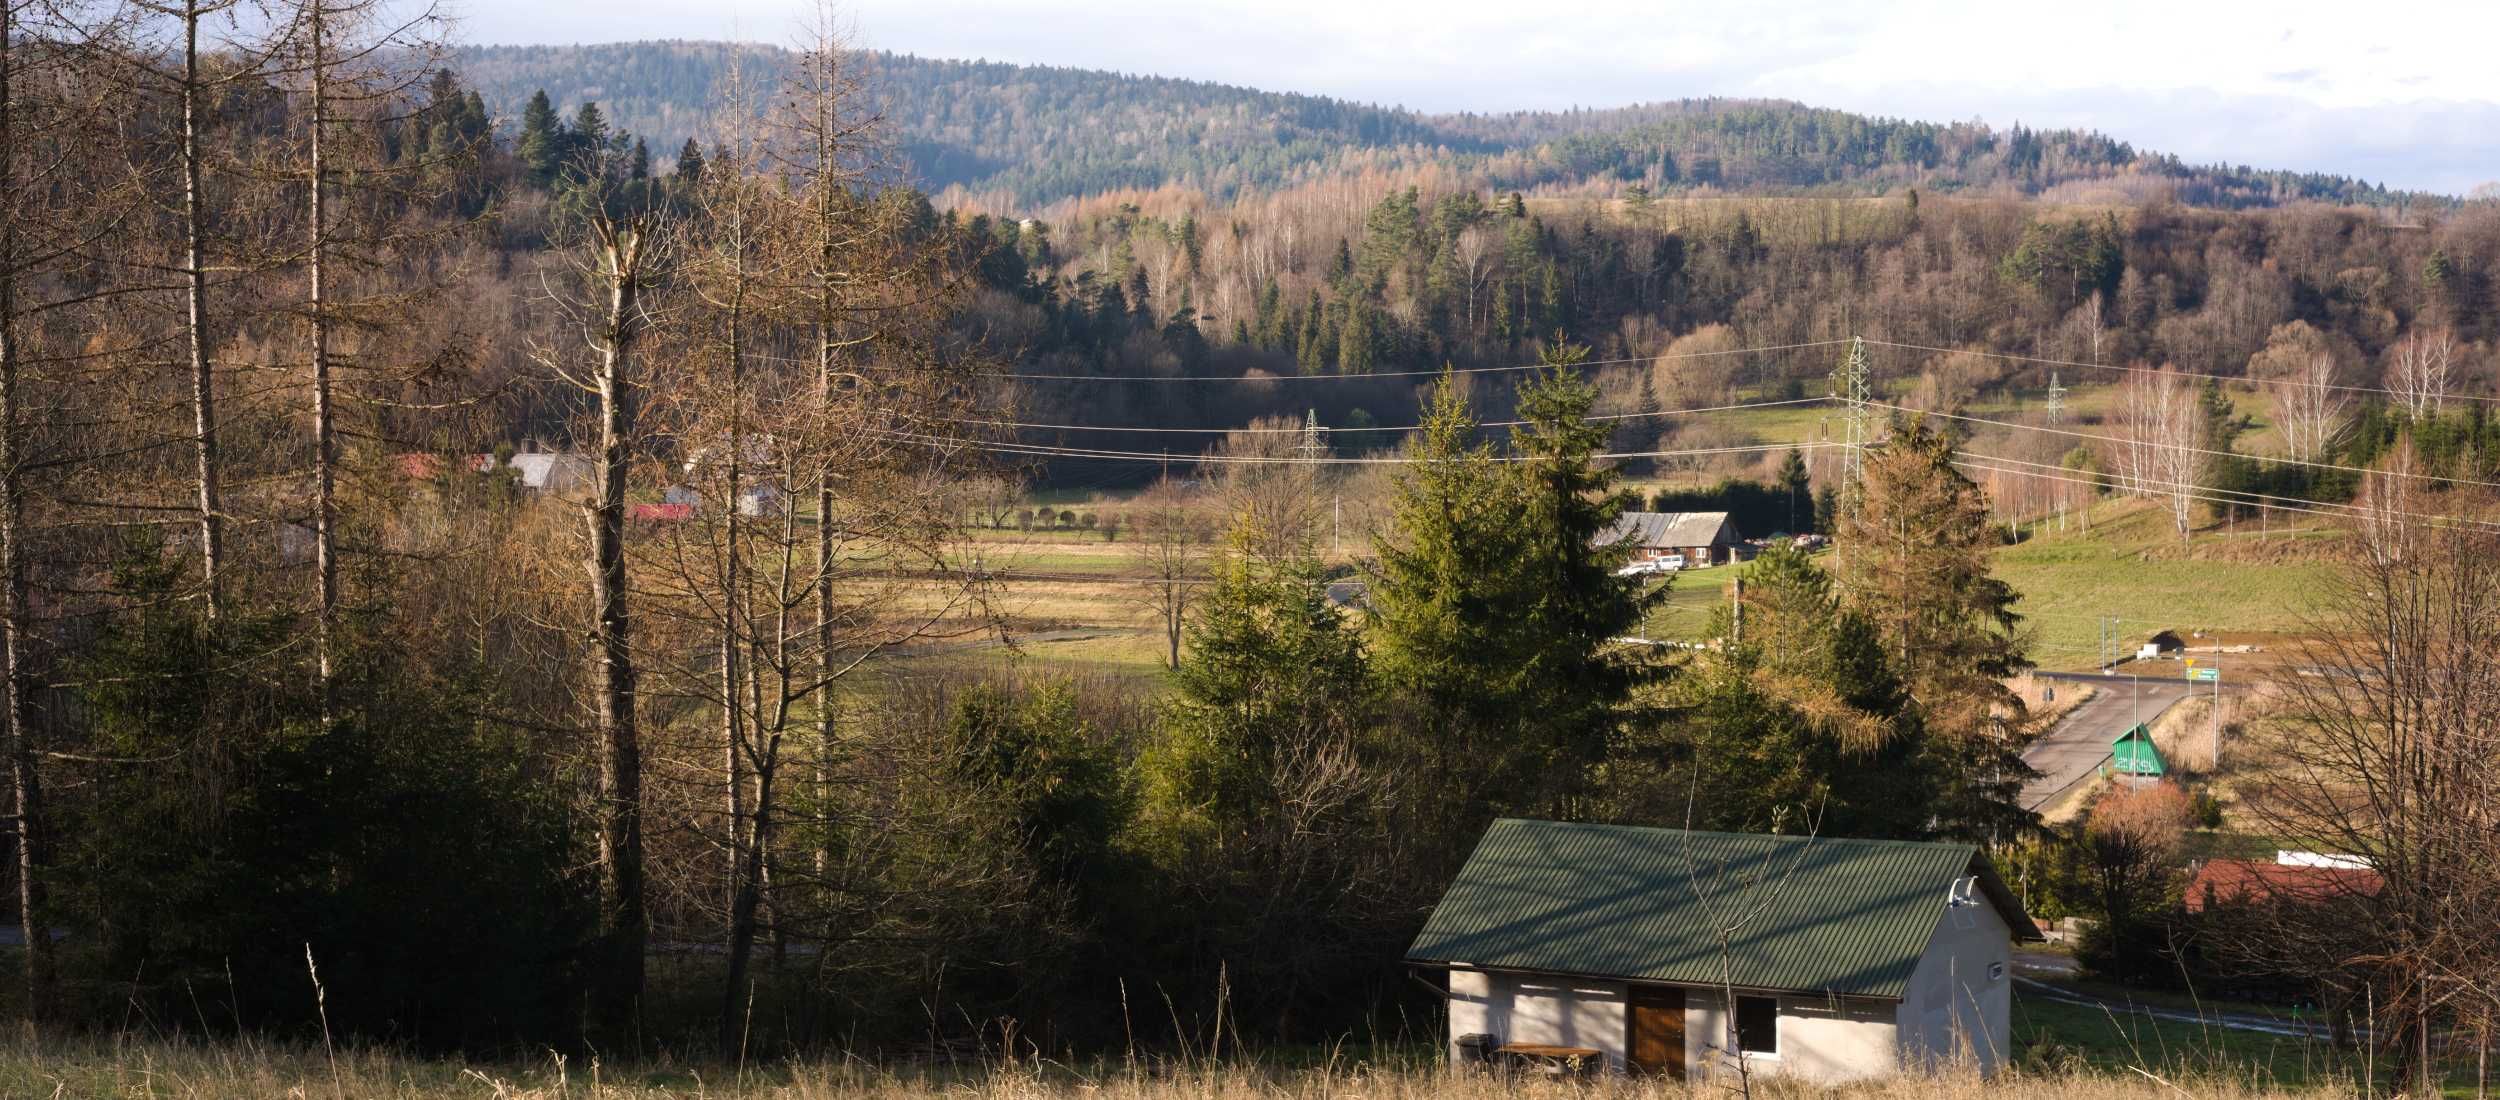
2398,91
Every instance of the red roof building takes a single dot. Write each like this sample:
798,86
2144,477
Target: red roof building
661,513
2226,881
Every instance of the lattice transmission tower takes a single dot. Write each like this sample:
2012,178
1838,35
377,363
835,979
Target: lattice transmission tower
1850,385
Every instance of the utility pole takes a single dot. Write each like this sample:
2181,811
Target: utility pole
2217,730
1736,613
2057,400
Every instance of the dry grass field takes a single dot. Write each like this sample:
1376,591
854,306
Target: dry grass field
158,1070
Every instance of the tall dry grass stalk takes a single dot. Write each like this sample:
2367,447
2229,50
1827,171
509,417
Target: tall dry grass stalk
183,1070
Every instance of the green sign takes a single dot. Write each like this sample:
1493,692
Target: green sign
2204,675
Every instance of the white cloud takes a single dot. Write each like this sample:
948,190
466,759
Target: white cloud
2398,92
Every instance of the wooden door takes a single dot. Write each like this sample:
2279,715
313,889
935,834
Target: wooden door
1654,1019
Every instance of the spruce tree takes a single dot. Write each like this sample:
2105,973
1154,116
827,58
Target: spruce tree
690,164
1914,560
588,151
1140,295
1798,484
541,145
1354,341
1496,609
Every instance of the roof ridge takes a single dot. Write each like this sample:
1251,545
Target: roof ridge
1886,842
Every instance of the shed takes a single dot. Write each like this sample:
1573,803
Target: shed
2133,754
556,472
1855,958
1703,538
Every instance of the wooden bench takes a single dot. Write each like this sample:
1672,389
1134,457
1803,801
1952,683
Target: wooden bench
1551,1059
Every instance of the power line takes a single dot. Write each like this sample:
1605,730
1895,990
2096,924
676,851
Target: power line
1031,377
2204,493
1049,451
2276,460
1299,429
2163,370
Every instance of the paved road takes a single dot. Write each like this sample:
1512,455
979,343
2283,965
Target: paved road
2288,1026
2079,742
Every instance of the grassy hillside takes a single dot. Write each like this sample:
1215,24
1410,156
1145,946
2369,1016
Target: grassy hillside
2127,563
1036,134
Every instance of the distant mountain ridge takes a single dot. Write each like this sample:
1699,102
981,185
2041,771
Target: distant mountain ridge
1039,134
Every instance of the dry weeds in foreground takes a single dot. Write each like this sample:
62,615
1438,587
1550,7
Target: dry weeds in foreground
248,1071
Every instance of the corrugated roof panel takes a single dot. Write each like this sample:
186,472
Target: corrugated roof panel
1805,914
1665,529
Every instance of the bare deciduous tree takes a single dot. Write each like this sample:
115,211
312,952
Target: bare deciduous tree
2162,433
2385,750
2311,409
1169,544
619,261
1269,478
2417,370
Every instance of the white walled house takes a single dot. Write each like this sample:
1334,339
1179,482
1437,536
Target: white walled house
1849,959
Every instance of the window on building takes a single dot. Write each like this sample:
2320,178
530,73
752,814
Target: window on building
1758,1025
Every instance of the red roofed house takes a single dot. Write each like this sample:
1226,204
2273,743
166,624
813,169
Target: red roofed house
2230,881
660,513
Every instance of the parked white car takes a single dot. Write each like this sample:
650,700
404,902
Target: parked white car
1669,564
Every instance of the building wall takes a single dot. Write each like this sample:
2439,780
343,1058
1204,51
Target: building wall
1563,1012
1829,1040
1961,1000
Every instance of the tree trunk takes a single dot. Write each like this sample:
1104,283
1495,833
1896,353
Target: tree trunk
325,474
742,909
618,985
25,783
733,728
195,280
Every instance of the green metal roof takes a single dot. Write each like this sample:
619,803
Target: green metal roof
2133,753
1828,915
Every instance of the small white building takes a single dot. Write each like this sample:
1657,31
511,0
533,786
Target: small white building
1848,959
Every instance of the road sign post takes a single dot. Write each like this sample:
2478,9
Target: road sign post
2212,676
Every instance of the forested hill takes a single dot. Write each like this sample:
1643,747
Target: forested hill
1031,135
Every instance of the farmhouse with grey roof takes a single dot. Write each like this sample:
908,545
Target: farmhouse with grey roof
1703,538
